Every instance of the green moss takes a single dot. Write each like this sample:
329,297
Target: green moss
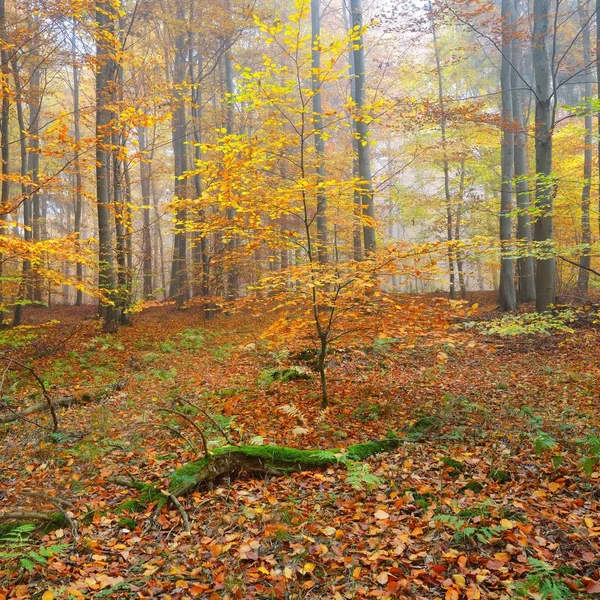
279,457
128,523
473,486
362,451
132,506
500,476
454,466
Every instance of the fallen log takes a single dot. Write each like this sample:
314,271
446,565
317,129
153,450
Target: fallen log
65,401
230,461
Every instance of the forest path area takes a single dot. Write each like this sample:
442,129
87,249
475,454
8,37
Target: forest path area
493,491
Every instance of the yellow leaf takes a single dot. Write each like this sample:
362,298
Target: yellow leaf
288,573
48,595
309,567
507,524
459,580
356,573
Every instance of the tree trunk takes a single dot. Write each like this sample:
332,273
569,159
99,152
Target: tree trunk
178,285
545,279
232,274
585,261
357,207
460,263
33,168
201,257
362,127
106,68
147,287
77,167
525,263
447,194
25,291
315,8
507,297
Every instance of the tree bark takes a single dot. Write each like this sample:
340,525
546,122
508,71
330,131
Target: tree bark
147,287
545,280
25,291
446,163
525,263
178,285
362,127
506,293
77,165
106,69
585,261
315,8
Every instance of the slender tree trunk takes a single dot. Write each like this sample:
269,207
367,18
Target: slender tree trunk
598,97
357,224
525,263
25,291
507,297
446,164
545,280
201,250
4,146
77,166
105,80
585,260
315,8
362,127
178,285
147,287
232,274
460,264
33,168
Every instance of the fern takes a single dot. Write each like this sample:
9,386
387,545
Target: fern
360,476
464,531
17,535
544,581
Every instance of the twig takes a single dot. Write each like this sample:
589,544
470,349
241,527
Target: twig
212,420
25,515
181,435
130,483
572,262
55,500
184,515
45,393
194,425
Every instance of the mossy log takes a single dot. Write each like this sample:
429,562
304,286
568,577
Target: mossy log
230,461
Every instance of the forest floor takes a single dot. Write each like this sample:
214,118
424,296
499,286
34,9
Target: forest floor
486,497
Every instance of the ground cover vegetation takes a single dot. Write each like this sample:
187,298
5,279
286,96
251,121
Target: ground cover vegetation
299,299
